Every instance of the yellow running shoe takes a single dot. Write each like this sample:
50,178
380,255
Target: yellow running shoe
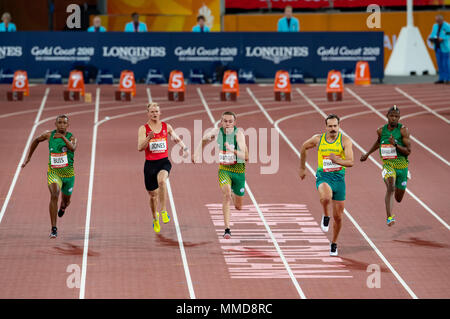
165,217
156,226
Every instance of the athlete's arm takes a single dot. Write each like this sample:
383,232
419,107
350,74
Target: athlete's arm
310,143
44,136
405,150
375,146
206,139
177,140
242,153
71,144
143,140
348,150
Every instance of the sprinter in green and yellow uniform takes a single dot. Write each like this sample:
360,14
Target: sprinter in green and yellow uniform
334,154
232,156
60,173
394,146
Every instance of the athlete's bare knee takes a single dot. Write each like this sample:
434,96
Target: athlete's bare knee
162,183
238,206
54,195
325,201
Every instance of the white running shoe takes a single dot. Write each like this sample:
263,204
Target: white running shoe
333,249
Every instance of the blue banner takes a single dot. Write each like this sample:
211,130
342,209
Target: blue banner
314,53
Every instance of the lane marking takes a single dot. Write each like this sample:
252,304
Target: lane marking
423,105
24,153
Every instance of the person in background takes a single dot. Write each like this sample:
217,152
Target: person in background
200,27
440,35
135,25
288,23
97,25
7,25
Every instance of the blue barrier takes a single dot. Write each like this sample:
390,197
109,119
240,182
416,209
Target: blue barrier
315,53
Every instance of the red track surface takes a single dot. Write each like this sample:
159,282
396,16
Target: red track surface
126,259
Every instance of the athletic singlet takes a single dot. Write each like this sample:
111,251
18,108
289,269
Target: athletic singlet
324,164
388,152
60,158
229,161
157,147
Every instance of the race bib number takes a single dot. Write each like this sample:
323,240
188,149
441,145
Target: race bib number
58,160
227,158
158,145
329,166
388,151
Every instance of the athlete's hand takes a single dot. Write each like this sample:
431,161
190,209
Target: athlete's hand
364,157
185,153
229,147
150,135
193,158
392,140
333,157
25,163
58,135
302,173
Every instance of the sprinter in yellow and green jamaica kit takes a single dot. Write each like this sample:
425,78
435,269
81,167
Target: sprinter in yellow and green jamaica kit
394,146
60,174
334,155
232,156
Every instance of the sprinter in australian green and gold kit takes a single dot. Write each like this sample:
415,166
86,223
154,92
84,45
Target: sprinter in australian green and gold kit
334,156
60,173
394,147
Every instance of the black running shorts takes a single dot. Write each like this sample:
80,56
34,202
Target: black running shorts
151,170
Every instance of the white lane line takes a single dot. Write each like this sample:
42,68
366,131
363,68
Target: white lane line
369,241
89,200
428,209
261,215
384,118
423,105
187,273
24,154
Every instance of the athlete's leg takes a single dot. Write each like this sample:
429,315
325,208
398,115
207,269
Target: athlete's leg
389,197
162,189
226,200
237,200
338,210
65,201
153,201
53,206
399,193
325,194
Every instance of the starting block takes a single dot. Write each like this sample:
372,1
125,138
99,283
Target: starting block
230,86
75,87
127,86
176,86
282,86
335,87
19,87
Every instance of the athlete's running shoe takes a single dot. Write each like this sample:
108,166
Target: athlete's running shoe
156,225
390,220
165,217
333,249
227,234
54,232
61,212
324,223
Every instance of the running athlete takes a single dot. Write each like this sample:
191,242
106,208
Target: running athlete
394,147
152,138
60,173
232,156
334,154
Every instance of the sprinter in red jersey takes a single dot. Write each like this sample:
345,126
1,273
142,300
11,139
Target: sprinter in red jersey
152,138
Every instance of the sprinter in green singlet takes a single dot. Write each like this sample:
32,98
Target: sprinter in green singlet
394,146
60,173
232,156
